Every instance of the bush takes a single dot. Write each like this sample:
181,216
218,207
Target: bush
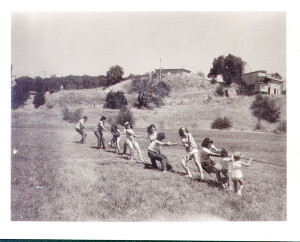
282,127
125,115
220,90
265,108
258,126
247,90
151,92
221,123
115,100
39,99
213,81
72,116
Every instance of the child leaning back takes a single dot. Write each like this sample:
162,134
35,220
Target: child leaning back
154,152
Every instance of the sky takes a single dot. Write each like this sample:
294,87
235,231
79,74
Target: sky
89,43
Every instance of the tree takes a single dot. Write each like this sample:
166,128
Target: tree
265,108
40,87
125,115
115,100
114,75
21,91
230,67
149,90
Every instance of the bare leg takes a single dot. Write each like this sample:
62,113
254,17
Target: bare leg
137,147
197,161
185,167
118,145
129,144
241,186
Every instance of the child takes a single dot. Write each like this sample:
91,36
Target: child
224,167
206,162
131,142
99,132
151,130
192,151
154,152
116,133
236,174
80,129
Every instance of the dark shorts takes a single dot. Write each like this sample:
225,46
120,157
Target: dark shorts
208,167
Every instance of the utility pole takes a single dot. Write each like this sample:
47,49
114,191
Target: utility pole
45,74
11,74
160,69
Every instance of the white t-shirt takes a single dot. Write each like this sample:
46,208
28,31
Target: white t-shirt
190,142
80,124
205,154
155,146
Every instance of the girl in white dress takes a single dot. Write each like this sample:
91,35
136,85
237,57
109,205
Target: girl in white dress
236,172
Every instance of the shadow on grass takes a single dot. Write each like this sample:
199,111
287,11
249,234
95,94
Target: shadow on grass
77,142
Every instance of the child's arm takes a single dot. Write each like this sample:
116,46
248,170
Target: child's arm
168,143
101,124
247,164
130,131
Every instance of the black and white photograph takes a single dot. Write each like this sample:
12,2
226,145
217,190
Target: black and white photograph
149,116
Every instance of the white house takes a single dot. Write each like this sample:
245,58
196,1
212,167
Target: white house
264,83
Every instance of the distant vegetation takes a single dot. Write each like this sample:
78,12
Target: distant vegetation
265,108
115,100
231,69
72,116
125,115
151,92
114,75
222,123
220,90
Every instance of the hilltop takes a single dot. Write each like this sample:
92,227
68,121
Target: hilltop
192,103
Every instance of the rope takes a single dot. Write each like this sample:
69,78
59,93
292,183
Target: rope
265,162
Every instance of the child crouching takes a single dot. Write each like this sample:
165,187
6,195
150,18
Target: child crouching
154,152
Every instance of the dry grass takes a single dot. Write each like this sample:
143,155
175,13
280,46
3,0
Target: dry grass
54,178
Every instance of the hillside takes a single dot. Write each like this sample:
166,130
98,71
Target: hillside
192,103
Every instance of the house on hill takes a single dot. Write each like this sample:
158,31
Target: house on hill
264,83
168,72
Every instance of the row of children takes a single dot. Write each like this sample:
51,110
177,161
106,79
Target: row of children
221,168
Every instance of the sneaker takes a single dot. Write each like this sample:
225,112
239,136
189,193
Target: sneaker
164,171
239,193
189,176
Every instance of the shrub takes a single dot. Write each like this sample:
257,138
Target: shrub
49,106
282,126
213,81
221,123
72,116
220,90
265,108
258,126
248,90
115,100
125,115
151,92
39,99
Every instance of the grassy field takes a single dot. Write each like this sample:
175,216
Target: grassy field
54,178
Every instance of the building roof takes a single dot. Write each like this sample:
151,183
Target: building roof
255,72
174,69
